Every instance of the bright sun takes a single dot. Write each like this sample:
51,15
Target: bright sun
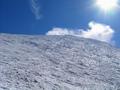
107,5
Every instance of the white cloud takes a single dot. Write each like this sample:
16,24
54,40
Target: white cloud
96,31
61,31
35,7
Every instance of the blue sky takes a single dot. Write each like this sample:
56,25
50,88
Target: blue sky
40,16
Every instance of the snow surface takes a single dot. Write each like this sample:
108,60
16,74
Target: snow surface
57,63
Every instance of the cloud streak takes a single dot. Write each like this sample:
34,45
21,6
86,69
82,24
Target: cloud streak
35,8
96,31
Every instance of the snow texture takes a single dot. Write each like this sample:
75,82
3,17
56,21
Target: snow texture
29,62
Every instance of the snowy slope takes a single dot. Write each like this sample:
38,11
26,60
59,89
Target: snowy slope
57,63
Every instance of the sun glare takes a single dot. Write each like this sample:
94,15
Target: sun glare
107,5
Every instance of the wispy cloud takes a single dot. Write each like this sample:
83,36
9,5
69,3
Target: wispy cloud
35,8
96,31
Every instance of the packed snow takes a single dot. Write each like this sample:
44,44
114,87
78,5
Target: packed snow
35,62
